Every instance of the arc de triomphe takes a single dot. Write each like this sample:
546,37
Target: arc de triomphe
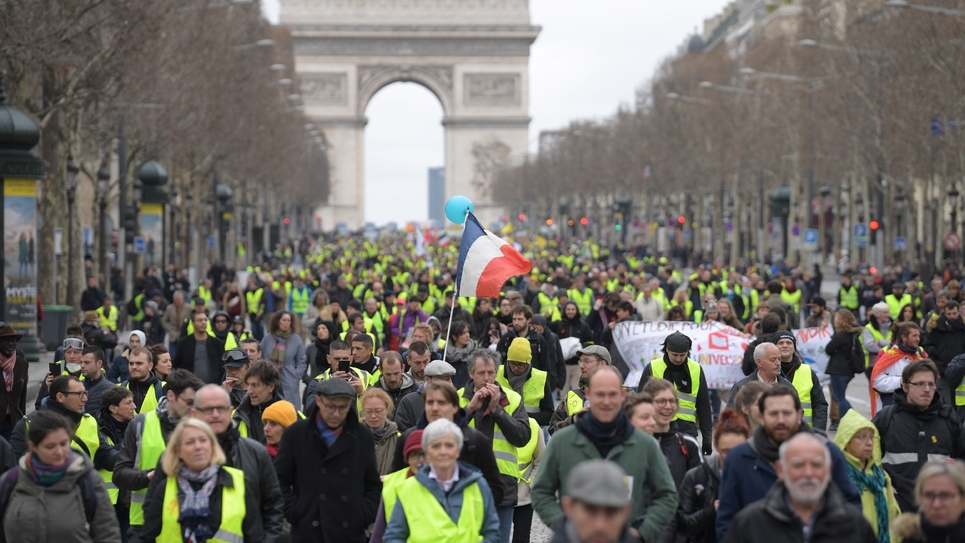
472,54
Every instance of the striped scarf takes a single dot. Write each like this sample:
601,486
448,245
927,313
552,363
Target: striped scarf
877,485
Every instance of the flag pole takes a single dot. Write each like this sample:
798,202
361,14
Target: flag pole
455,294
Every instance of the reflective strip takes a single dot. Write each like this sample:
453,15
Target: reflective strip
939,457
807,419
527,470
806,405
225,535
532,409
686,411
959,392
899,458
138,496
110,485
687,397
498,435
509,457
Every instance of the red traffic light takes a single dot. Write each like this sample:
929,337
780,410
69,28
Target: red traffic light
549,222
522,217
873,225
584,221
287,220
570,222
681,219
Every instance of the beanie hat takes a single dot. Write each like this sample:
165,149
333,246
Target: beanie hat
519,351
282,412
412,443
678,343
783,334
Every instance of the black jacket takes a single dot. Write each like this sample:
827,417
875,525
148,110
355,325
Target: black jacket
907,429
945,342
683,454
537,345
91,299
104,458
126,474
95,335
251,416
154,508
15,401
409,386
261,483
477,451
696,516
140,389
331,494
184,357
769,520
705,418
573,328
839,350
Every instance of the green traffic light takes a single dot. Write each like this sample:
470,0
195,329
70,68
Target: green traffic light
618,227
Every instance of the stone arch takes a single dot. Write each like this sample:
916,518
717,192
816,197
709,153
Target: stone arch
372,79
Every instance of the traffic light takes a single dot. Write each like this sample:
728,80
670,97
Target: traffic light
287,221
584,221
874,225
618,227
549,222
681,220
522,217
130,224
570,222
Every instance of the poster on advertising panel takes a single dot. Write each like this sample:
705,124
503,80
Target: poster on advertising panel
152,230
718,348
20,254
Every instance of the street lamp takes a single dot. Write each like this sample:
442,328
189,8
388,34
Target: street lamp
953,199
277,67
257,44
902,4
70,183
103,180
689,99
814,44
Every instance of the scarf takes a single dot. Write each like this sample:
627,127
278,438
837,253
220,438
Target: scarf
195,516
887,358
763,445
518,381
7,365
228,441
272,450
45,475
380,433
605,435
277,356
329,435
57,407
876,484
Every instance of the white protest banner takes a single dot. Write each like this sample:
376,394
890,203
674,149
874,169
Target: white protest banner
717,347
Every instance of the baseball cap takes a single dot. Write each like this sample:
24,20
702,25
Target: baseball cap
598,482
519,351
234,358
439,368
596,350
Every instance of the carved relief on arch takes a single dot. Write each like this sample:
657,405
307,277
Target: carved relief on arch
437,79
489,155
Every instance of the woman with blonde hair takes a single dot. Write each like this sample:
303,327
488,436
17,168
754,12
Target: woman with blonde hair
377,408
194,497
940,492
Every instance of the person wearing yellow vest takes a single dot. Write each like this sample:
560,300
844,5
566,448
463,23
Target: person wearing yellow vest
876,335
575,400
582,296
145,440
74,506
107,315
117,410
529,457
298,300
803,379
339,356
204,292
530,383
220,327
897,299
500,415
194,468
144,384
255,303
446,500
690,384
415,458
848,295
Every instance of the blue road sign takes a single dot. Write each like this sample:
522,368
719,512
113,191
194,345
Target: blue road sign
860,236
210,241
901,244
139,246
811,237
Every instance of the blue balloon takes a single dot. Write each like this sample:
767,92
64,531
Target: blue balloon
456,209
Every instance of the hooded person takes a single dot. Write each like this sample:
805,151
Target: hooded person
859,440
119,372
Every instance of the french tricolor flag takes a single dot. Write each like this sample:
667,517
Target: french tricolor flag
486,262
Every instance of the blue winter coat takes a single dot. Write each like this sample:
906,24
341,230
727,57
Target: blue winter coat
747,478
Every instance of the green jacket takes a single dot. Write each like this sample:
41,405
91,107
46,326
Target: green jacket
653,492
851,423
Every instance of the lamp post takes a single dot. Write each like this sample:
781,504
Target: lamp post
19,171
222,196
825,191
103,184
953,200
70,183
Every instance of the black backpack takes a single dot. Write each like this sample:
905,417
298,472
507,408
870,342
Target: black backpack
85,487
857,360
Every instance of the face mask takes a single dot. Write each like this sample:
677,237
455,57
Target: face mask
73,368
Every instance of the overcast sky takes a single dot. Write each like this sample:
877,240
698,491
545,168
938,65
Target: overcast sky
589,58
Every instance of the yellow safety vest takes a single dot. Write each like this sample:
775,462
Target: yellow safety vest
687,398
849,297
108,477
362,376
960,395
204,294
429,522
533,389
504,451
878,337
390,489
300,300
583,300
525,454
232,511
150,445
253,299
150,400
895,305
802,383
574,404
108,321
793,300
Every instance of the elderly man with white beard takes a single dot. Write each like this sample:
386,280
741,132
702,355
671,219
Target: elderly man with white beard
802,504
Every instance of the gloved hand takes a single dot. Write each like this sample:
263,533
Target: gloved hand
707,448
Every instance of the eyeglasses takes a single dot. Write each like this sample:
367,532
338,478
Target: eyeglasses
865,438
334,408
663,402
380,411
80,394
927,385
215,409
74,343
943,497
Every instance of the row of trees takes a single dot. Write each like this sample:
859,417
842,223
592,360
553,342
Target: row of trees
193,84
862,121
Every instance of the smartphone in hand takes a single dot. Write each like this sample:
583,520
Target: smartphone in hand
54,368
343,365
